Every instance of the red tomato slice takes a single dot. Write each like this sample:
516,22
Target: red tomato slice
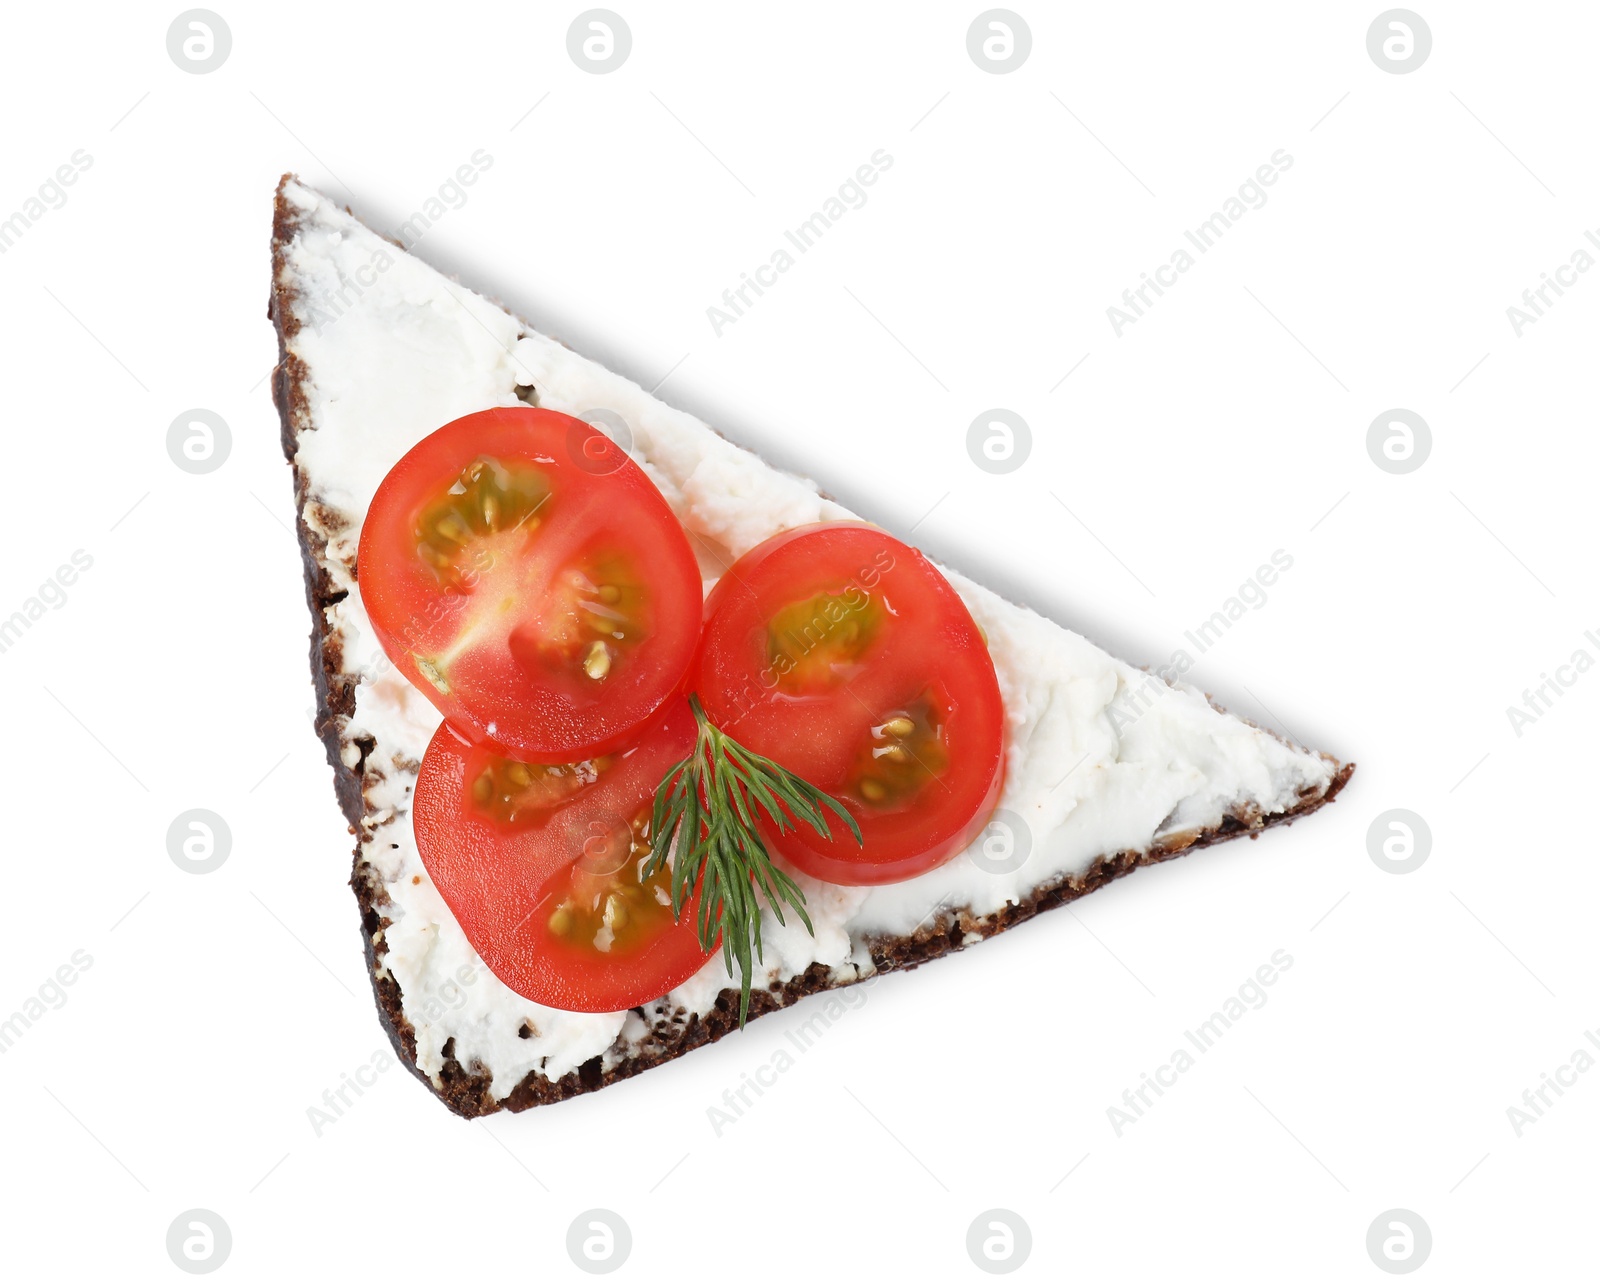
847,657
530,580
540,865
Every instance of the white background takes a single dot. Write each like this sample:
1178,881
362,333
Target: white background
1419,1007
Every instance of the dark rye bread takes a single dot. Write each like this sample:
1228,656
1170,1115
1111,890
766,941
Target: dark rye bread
466,1093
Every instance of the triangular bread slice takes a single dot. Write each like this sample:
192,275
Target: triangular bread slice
1109,767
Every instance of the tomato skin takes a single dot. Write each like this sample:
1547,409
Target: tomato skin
503,881
510,626
916,646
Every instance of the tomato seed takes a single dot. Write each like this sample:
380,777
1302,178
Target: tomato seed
428,669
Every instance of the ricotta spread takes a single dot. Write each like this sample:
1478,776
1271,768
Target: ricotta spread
393,349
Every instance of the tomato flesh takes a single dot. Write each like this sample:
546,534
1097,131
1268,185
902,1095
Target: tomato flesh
530,580
541,865
847,657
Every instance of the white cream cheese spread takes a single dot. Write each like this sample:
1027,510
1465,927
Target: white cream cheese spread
392,350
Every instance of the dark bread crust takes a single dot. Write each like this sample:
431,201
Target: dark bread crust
467,1093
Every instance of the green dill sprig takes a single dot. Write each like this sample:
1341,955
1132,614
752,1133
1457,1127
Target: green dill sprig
710,800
